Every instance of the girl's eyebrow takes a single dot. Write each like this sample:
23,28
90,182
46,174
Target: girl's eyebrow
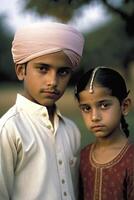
82,105
101,101
109,101
105,100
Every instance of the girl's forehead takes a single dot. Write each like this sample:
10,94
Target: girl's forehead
98,93
97,88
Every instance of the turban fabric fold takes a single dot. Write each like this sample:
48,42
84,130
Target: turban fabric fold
44,38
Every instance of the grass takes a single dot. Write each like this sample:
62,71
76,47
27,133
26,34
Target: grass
67,105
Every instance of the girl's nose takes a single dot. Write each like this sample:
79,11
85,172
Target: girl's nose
96,116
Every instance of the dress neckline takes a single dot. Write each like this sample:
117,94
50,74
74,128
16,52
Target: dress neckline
115,160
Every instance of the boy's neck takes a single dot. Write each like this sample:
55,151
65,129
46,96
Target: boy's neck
51,111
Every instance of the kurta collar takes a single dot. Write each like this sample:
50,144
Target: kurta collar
25,104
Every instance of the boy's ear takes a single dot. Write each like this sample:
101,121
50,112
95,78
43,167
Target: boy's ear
126,105
20,71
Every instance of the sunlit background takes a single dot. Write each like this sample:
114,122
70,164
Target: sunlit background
85,18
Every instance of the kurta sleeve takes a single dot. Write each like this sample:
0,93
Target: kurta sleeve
7,164
81,192
73,138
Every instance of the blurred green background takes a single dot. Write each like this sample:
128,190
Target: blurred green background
109,43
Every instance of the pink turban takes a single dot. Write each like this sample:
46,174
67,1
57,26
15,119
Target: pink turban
45,38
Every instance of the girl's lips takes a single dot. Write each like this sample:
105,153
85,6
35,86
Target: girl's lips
97,127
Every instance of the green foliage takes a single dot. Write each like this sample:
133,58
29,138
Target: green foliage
62,9
109,45
65,9
6,64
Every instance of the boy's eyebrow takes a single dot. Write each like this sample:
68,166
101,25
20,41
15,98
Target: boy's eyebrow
49,65
42,64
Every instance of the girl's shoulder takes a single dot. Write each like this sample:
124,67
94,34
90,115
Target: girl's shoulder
131,146
128,152
86,149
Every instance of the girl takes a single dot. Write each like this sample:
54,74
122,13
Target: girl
107,165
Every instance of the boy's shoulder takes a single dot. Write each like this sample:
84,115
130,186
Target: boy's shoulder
70,127
8,116
69,122
72,132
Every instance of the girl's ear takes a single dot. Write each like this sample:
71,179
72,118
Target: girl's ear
20,71
126,104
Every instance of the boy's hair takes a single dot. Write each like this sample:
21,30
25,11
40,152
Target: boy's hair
108,78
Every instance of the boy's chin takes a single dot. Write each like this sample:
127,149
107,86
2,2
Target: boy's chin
48,104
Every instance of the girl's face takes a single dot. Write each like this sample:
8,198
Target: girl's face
45,78
101,111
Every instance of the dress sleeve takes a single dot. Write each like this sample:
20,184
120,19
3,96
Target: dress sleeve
7,164
130,181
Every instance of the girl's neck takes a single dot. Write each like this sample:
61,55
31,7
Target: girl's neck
116,139
105,150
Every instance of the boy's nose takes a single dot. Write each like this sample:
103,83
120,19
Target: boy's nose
52,79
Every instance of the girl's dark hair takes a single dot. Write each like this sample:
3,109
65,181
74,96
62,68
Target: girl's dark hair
110,79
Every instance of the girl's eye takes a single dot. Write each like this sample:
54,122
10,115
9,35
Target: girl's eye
104,105
85,108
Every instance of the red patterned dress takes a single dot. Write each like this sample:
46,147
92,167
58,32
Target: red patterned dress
111,181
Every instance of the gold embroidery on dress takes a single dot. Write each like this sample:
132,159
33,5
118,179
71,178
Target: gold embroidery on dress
99,170
98,184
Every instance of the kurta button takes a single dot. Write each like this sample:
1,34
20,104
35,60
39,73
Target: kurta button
60,162
63,181
49,126
65,194
71,162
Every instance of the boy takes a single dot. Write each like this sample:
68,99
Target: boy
38,146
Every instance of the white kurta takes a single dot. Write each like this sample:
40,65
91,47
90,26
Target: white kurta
37,161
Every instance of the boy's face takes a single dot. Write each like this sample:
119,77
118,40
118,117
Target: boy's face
45,78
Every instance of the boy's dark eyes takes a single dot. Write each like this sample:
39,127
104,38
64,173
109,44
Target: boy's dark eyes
64,71
42,68
61,71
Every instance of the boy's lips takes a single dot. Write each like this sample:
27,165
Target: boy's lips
51,93
54,92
